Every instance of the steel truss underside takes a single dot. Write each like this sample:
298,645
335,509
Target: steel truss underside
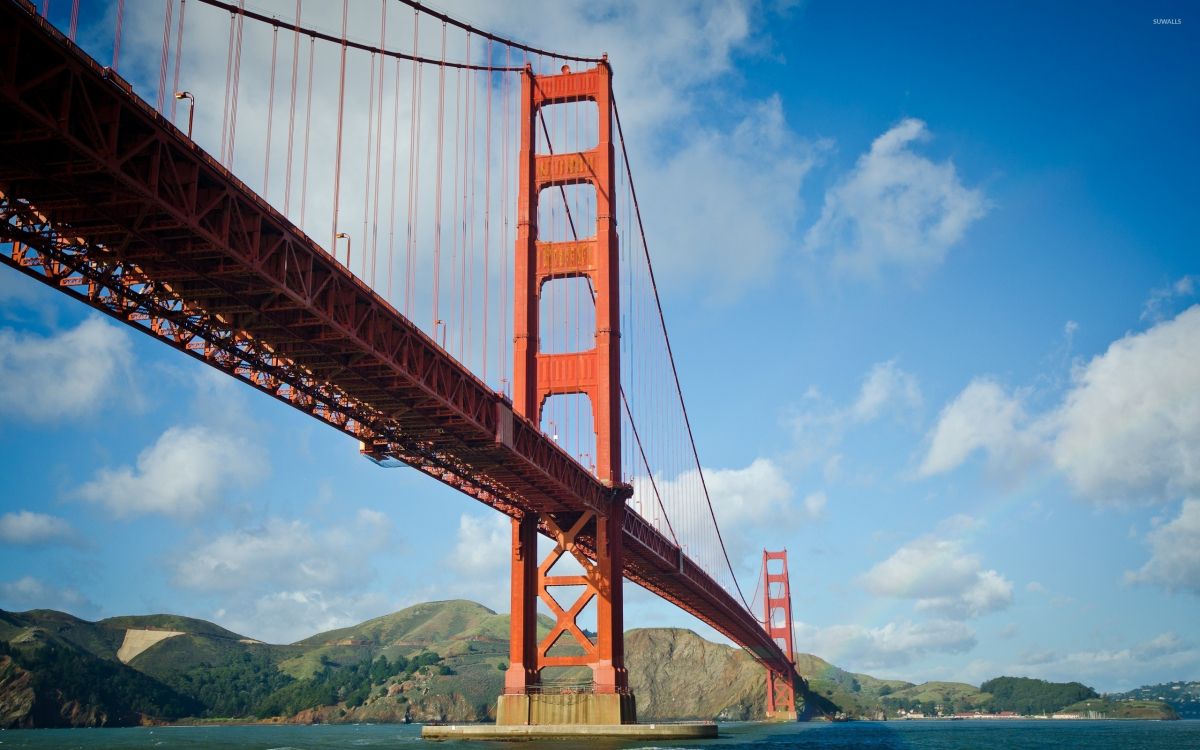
104,199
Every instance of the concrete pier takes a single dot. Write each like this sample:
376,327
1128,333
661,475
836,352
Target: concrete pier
510,732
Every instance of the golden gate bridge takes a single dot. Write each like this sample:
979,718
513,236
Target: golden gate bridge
484,308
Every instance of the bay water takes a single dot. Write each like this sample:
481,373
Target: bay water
896,735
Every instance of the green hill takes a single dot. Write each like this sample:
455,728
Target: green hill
931,698
432,661
170,622
1183,697
1103,708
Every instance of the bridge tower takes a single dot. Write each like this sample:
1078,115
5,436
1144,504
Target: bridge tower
777,616
537,376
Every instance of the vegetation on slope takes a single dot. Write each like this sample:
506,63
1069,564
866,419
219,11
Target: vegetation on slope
1183,697
434,661
69,687
1102,708
1029,696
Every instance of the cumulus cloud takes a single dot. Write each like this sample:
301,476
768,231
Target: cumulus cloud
289,616
886,384
1161,658
286,555
33,593
725,206
895,209
892,645
1175,553
1127,430
481,557
482,544
752,495
1161,299
29,528
66,374
289,579
673,62
819,426
187,471
983,417
942,577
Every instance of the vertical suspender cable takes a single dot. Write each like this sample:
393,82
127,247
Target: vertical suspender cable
487,205
178,53
168,16
366,194
337,168
117,33
287,173
228,80
312,53
391,245
414,172
378,143
454,281
74,19
437,212
270,114
237,77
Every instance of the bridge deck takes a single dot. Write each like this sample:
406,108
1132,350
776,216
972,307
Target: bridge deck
105,199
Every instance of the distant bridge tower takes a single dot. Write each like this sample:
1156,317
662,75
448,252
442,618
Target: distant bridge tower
595,373
777,617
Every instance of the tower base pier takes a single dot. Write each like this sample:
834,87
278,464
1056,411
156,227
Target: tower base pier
540,709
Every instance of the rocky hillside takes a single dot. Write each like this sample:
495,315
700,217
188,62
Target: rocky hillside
440,661
1184,697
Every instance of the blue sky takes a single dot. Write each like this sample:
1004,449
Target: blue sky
932,280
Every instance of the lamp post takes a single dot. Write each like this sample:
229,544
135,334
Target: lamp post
191,100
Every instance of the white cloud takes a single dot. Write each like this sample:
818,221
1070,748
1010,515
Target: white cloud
814,505
1161,298
481,555
27,527
672,63
1161,658
942,577
1175,553
1129,429
187,471
982,417
757,494
819,427
895,644
483,544
32,593
286,555
67,374
289,616
726,205
886,384
290,579
895,209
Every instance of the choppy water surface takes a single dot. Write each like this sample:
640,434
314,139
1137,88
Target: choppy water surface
941,735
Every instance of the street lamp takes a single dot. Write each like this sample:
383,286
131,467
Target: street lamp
181,95
346,237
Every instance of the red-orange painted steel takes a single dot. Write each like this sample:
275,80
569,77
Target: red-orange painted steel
104,199
777,615
594,373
